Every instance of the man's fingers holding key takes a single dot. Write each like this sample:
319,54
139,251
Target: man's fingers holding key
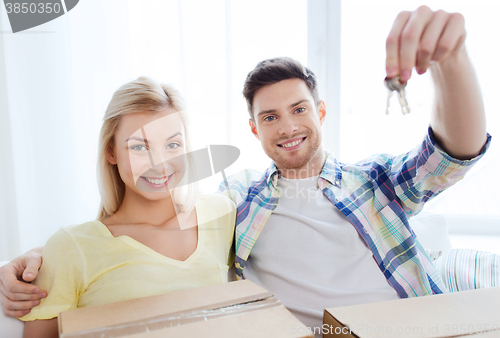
419,37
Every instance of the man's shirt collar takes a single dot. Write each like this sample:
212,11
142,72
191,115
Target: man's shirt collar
331,172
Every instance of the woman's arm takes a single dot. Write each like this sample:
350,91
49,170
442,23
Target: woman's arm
42,328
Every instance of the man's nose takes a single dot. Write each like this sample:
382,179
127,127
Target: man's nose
288,126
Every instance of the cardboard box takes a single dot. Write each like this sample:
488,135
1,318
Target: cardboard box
236,309
468,313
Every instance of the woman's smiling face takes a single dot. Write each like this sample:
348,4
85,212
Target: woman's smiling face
147,149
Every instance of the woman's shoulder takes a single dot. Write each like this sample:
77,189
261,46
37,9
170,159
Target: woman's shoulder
215,206
219,201
83,228
73,238
66,238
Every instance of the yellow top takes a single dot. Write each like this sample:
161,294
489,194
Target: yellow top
84,265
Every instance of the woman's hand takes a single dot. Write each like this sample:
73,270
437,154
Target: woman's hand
18,296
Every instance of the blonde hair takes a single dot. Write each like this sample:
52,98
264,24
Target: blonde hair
140,95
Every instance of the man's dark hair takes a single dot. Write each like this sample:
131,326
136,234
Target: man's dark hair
275,70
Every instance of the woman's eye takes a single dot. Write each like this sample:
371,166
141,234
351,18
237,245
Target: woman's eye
139,147
173,145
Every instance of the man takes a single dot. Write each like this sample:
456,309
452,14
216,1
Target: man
319,233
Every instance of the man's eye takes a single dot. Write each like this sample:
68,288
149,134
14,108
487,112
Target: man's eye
269,118
300,110
173,145
139,147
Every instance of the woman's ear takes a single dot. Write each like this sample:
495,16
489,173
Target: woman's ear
110,155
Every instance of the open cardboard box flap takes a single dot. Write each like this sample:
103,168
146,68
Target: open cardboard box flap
465,313
212,311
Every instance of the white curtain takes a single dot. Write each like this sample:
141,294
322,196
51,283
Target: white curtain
52,98
9,240
57,79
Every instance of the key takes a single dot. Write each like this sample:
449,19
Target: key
389,95
393,84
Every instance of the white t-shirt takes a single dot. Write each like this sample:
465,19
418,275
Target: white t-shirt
311,257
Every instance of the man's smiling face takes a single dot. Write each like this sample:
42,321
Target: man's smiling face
288,124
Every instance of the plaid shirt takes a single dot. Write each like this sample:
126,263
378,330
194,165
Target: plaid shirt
377,195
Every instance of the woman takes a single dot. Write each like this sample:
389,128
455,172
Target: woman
153,233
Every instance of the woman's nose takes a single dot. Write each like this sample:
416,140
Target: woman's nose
155,157
159,162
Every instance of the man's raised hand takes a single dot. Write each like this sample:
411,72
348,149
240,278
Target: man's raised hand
419,37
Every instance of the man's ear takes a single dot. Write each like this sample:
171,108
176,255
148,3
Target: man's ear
253,128
110,155
322,111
